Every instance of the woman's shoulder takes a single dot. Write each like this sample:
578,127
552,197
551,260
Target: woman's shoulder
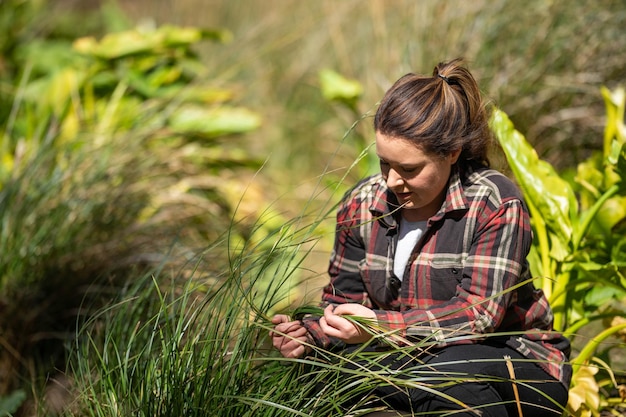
491,183
367,188
368,195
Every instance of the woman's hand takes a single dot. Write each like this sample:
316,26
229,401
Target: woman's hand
289,337
334,325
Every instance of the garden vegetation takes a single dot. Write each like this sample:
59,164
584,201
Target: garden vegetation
163,193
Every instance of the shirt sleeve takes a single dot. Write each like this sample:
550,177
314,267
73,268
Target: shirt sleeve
491,270
346,284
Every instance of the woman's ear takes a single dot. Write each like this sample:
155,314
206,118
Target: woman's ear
454,156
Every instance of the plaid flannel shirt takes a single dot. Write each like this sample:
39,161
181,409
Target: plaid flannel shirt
467,276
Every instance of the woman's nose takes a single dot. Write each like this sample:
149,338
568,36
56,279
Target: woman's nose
393,179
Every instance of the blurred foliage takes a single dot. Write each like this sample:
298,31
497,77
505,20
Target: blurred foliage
117,154
541,62
11,403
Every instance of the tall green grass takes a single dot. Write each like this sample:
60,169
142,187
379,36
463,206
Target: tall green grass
203,350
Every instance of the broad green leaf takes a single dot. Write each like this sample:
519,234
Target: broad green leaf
164,76
213,122
611,213
142,84
591,179
336,87
114,45
178,36
598,295
137,41
49,56
617,149
548,192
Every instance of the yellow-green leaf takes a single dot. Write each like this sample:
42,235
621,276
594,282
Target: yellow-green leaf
584,394
337,87
136,41
550,194
214,122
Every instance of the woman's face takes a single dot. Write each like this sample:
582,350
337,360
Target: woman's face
419,180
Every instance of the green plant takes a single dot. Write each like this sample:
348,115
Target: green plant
578,250
196,350
160,350
114,157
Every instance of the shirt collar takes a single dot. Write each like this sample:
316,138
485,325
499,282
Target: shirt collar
385,205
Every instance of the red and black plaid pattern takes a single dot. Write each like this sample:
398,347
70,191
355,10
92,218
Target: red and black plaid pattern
460,283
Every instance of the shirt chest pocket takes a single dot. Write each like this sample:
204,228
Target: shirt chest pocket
441,279
382,287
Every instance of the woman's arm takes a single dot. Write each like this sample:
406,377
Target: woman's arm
346,285
493,265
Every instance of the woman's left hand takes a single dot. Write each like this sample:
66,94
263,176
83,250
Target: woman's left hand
334,325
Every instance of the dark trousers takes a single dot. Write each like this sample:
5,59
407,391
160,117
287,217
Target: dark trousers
476,376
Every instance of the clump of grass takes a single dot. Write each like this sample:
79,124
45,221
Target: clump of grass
203,349
58,213
163,350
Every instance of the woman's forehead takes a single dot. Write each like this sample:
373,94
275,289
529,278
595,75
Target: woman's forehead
399,150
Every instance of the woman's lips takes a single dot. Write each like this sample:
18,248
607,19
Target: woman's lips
403,196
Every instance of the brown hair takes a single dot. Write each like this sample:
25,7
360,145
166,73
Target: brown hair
439,114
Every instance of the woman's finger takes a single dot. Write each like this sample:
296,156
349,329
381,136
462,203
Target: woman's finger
287,327
280,318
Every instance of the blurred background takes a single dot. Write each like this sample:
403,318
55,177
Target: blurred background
542,62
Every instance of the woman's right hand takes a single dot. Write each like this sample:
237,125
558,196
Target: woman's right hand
289,336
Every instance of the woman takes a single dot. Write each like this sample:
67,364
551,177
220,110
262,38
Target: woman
434,248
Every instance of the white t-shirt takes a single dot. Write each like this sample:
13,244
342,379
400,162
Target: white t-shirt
410,233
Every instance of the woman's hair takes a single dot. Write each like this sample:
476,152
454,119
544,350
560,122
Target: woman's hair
439,114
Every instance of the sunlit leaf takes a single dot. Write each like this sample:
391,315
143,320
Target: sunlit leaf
584,392
337,87
551,194
115,45
136,41
599,294
590,177
174,36
131,42
164,76
54,92
214,122
611,213
615,103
